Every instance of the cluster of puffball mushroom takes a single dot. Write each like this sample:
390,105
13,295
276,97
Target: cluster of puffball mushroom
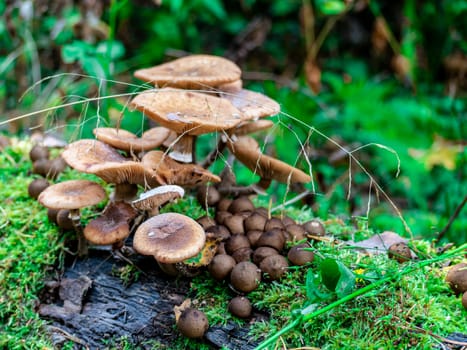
194,95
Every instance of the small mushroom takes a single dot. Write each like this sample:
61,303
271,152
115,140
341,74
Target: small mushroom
36,187
38,152
235,242
245,277
299,255
221,266
241,204
240,306
208,196
169,237
153,199
253,105
457,278
192,323
274,267
400,252
112,227
314,228
255,222
273,238
261,253
73,195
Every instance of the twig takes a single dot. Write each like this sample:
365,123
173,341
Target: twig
304,317
451,219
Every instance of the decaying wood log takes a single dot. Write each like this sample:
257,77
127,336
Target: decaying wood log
109,311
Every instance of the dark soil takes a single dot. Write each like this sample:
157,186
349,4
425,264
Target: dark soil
92,307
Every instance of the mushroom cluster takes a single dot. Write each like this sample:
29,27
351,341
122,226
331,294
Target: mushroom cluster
254,246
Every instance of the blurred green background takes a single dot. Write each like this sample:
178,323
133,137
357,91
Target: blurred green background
385,80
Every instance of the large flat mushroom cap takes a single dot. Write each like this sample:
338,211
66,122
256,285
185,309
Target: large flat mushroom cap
188,112
192,72
169,237
84,154
247,151
72,194
253,105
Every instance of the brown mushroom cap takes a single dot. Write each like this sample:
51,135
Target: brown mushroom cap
252,126
127,141
192,113
72,194
169,237
113,226
240,306
247,151
457,278
253,105
158,196
95,157
195,71
82,155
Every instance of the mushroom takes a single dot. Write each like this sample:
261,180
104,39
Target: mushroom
112,227
192,72
247,151
274,267
153,199
240,306
73,195
95,157
36,187
300,254
192,323
170,238
171,172
129,142
221,266
245,276
188,114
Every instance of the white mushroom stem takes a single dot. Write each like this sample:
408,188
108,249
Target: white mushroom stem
183,149
75,218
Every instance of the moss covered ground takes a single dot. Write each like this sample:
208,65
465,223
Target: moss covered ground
415,310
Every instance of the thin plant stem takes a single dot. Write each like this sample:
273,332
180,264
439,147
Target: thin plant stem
307,317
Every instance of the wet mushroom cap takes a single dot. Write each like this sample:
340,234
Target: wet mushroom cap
188,112
72,194
195,71
169,237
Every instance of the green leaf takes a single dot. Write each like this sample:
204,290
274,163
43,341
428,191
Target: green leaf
111,49
216,8
331,7
75,51
337,277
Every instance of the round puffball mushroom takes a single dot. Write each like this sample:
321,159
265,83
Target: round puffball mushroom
245,276
240,306
457,278
274,267
221,266
400,252
36,187
193,323
299,255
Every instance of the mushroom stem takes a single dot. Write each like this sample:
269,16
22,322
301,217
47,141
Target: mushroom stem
183,149
76,220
